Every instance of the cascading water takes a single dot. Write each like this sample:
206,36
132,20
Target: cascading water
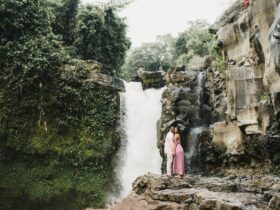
191,154
199,93
141,155
114,190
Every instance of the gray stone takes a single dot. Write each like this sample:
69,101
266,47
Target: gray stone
151,79
195,192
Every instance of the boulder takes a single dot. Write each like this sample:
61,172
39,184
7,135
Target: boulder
228,135
95,74
254,119
151,79
107,81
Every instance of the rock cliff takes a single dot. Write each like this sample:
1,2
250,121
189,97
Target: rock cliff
238,105
244,96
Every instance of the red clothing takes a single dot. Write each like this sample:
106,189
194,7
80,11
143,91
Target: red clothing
246,3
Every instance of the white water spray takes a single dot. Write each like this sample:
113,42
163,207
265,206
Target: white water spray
194,165
143,109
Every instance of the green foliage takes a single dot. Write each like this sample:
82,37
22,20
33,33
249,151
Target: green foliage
181,45
115,4
78,145
65,19
185,58
276,159
46,184
23,18
198,38
57,128
265,96
215,51
101,36
195,41
220,64
151,56
30,61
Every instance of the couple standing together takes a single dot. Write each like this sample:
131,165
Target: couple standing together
174,152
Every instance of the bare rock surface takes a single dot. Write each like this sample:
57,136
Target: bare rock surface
151,79
195,192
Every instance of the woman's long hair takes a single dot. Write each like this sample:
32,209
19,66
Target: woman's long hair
178,130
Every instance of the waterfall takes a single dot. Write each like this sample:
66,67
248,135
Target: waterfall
192,153
113,193
199,94
140,154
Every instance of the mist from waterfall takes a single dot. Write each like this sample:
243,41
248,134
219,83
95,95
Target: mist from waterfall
193,163
139,154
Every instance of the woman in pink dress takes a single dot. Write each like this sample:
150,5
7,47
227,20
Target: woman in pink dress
178,160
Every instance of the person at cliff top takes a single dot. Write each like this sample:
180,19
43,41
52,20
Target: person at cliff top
246,3
168,146
178,165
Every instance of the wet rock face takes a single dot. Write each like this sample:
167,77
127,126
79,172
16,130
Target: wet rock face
182,105
150,79
215,88
196,192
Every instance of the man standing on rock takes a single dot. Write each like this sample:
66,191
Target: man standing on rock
168,146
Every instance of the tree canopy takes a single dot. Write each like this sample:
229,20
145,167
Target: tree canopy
196,41
101,36
66,19
152,56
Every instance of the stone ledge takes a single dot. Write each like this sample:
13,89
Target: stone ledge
195,192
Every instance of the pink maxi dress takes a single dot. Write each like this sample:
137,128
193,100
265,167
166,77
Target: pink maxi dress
178,164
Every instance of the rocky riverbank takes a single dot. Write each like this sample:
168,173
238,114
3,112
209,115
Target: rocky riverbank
198,192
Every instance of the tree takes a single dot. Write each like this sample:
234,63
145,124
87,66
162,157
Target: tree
23,18
116,4
195,41
30,53
198,38
114,41
30,57
101,36
181,45
168,51
65,19
152,56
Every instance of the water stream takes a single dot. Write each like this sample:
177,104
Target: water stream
192,152
140,154
199,93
